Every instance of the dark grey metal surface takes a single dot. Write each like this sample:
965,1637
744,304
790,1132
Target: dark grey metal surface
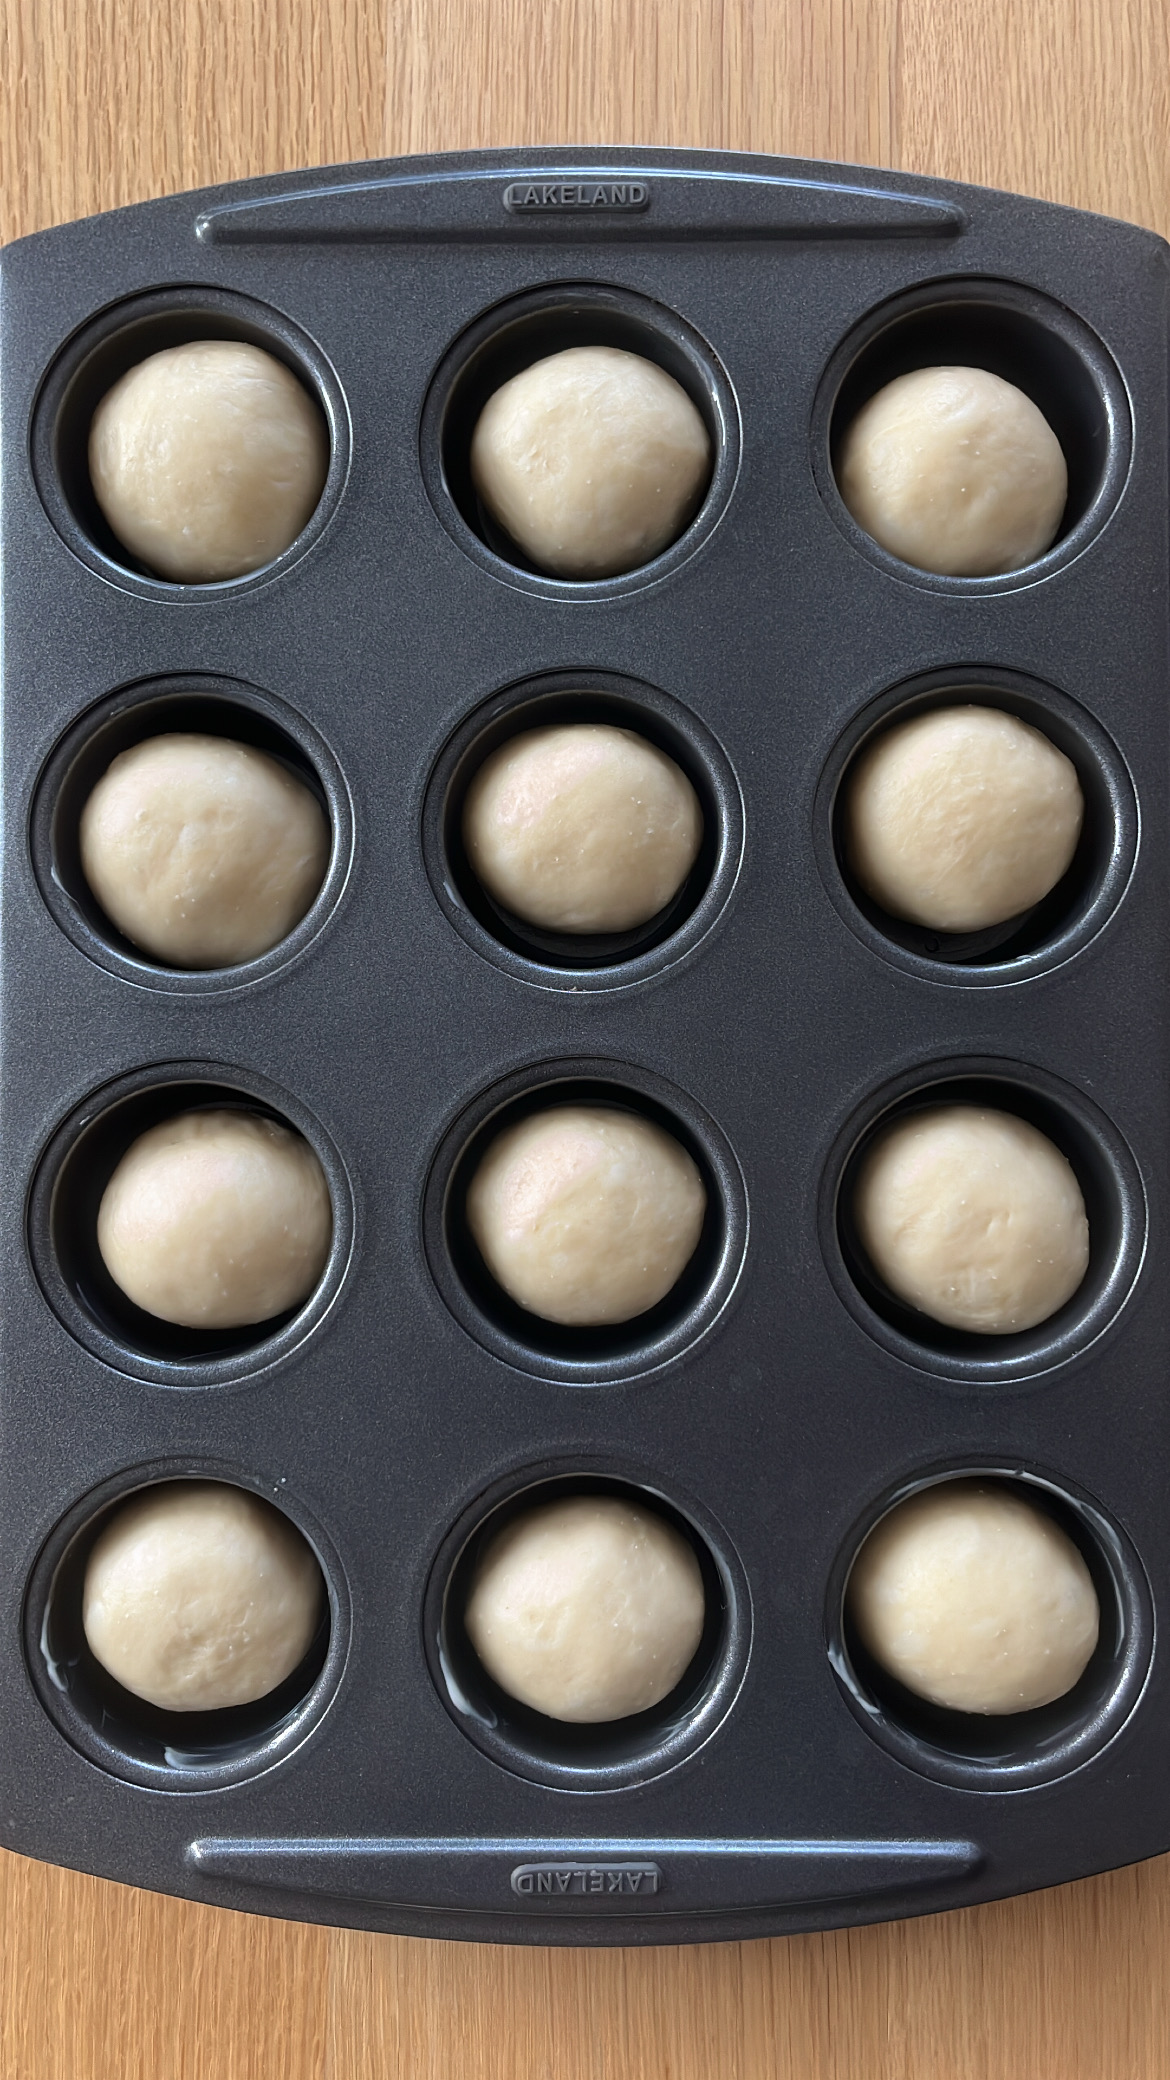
779,1408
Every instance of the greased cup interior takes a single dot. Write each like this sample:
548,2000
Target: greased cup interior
67,1193
105,350
575,1756
578,1354
998,1752
1082,900
121,1732
583,960
1026,339
202,705
1114,1202
510,338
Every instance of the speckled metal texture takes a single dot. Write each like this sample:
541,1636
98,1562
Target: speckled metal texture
778,1402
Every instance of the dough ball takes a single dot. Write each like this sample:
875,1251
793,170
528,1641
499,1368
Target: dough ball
956,471
973,1598
198,1596
587,1609
586,1215
962,818
593,460
973,1217
202,851
214,1220
582,828
207,459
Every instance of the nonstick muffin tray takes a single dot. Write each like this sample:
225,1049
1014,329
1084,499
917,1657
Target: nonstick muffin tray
778,1401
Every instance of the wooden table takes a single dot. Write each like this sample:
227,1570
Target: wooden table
110,101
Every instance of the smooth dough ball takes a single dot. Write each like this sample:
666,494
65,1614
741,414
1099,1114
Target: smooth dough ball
973,1217
587,1609
586,1215
202,851
594,460
962,818
216,1219
955,471
973,1598
207,459
198,1596
582,828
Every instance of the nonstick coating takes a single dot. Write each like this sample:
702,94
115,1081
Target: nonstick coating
778,1402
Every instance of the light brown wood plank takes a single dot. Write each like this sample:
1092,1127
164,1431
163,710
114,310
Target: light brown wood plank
737,75
110,101
115,100
1069,99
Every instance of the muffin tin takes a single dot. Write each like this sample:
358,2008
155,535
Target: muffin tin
778,1400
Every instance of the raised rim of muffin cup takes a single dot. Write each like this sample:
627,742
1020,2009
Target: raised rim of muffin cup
611,1755
523,329
583,1356
67,1186
1115,1203
123,1734
1020,334
1075,910
210,705
1011,1751
583,961
103,350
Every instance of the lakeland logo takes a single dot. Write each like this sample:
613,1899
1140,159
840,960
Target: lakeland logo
563,1880
525,197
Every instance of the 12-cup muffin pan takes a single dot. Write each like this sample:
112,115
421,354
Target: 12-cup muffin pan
779,1400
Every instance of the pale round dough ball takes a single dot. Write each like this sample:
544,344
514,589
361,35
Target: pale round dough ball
962,818
955,471
587,1609
207,459
214,1220
974,1217
202,851
593,460
586,1215
582,827
199,1596
974,1599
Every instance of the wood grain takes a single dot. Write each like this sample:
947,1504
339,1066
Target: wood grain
109,101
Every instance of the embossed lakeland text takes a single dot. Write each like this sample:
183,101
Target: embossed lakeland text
523,197
598,1880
